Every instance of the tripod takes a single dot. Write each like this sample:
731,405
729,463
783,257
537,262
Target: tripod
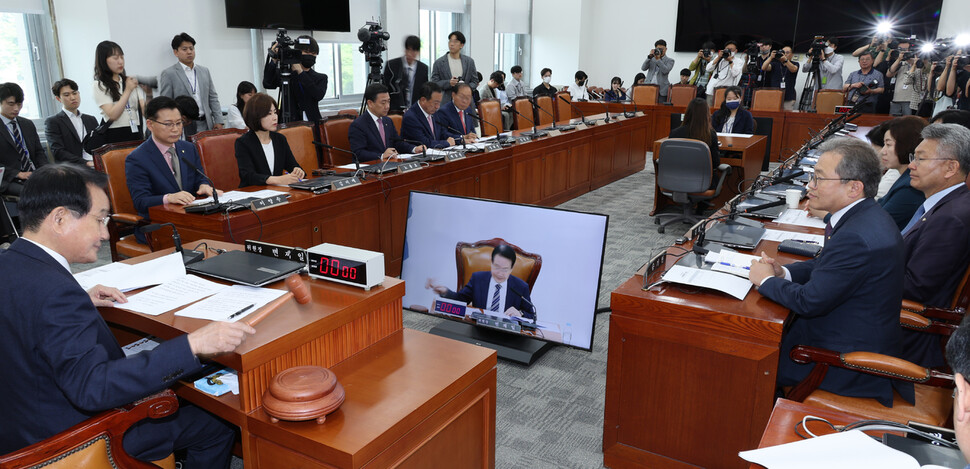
812,84
373,77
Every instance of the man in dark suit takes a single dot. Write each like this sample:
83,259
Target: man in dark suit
453,116
846,299
419,124
66,130
936,239
62,365
307,86
405,75
158,171
372,135
958,357
496,290
20,151
454,67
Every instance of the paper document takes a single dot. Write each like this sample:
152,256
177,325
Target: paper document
846,450
153,272
171,295
92,277
726,134
436,152
794,216
731,262
350,166
778,235
727,283
233,196
225,305
145,343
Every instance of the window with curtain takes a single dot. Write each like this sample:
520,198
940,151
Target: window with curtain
26,59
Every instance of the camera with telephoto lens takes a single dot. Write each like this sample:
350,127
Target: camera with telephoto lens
817,49
372,37
285,53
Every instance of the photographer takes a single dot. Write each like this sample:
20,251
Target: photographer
781,72
898,76
307,87
829,66
699,67
958,80
658,67
725,69
454,67
864,85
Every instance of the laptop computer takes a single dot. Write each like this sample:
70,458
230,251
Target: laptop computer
738,234
245,268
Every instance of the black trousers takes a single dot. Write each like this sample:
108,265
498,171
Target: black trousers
207,439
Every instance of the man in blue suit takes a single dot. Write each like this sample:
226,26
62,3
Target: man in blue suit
372,135
454,115
419,123
936,239
496,290
846,299
62,365
158,171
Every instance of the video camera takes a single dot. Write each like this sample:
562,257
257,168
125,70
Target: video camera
817,48
372,38
752,48
285,53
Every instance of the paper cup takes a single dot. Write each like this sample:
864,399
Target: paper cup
792,197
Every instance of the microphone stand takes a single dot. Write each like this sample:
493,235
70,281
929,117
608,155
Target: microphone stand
213,207
498,132
607,107
581,115
188,257
356,160
424,153
461,136
554,125
534,133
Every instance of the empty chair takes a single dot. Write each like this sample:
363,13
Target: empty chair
768,99
334,130
523,108
563,111
299,135
490,110
645,94
218,155
680,95
544,103
827,100
684,175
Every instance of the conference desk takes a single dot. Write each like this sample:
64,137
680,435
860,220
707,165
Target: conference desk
690,372
373,215
743,154
412,399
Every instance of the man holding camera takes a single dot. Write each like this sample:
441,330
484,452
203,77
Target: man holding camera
780,72
829,65
699,67
864,85
454,67
658,67
903,63
725,69
307,87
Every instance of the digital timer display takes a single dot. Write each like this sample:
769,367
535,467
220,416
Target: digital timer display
452,309
338,268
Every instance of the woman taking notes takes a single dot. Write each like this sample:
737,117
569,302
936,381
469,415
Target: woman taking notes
262,154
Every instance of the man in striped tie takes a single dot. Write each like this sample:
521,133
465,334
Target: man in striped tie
21,152
495,290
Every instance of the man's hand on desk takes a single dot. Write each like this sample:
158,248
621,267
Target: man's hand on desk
106,296
764,268
179,198
205,190
513,312
219,337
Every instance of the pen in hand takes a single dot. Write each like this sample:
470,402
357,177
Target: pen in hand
237,313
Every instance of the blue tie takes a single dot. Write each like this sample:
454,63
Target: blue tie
496,297
912,221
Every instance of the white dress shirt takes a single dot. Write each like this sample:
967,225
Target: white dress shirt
79,128
193,77
501,297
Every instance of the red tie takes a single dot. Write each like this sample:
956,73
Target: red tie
461,117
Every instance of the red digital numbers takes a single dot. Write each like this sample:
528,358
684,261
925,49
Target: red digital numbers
332,268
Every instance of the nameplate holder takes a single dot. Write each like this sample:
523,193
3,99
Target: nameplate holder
492,147
345,183
581,126
408,167
619,117
692,232
522,140
639,114
554,133
656,262
276,251
454,156
267,202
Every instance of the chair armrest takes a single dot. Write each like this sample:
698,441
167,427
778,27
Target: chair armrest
922,322
126,218
724,169
112,423
953,316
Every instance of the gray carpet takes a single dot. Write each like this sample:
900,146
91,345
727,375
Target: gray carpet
550,415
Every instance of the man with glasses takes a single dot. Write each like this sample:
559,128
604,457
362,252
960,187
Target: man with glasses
160,170
937,238
21,151
495,290
847,298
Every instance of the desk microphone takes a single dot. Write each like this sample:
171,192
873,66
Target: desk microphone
461,137
581,115
205,209
789,177
607,107
555,126
188,257
526,301
534,133
498,132
354,155
424,153
762,206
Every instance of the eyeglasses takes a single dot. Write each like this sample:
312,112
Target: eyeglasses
168,125
915,160
815,179
102,220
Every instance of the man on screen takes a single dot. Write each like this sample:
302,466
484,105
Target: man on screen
496,290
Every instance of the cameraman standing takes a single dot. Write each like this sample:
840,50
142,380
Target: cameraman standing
726,69
307,87
699,67
864,85
897,76
658,66
829,66
780,72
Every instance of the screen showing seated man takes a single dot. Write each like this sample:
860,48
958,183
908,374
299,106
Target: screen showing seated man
494,290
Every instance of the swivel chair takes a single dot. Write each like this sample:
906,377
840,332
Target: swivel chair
684,175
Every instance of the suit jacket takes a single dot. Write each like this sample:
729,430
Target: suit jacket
395,78
441,74
902,200
366,142
743,123
63,139
447,116
937,255
476,292
846,299
306,90
62,364
10,157
253,168
149,178
172,82
415,127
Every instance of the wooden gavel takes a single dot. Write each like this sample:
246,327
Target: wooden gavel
297,290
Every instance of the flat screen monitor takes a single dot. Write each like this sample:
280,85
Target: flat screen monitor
311,15
445,232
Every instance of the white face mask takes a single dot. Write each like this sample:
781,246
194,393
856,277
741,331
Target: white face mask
547,79
829,50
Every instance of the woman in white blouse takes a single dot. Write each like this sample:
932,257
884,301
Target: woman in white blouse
244,91
118,95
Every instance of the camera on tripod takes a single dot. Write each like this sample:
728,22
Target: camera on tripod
817,48
372,38
752,48
285,53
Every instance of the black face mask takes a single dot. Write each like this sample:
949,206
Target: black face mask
307,61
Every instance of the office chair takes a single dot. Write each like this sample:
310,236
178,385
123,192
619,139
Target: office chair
684,175
217,152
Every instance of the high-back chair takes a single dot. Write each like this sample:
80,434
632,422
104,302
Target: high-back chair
299,135
397,119
681,95
827,100
477,257
490,110
335,130
563,111
523,108
684,175
768,99
719,93
645,94
217,151
544,103
110,160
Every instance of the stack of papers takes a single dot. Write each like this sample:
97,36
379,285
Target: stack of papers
231,304
131,277
798,217
727,283
730,262
171,295
849,450
778,235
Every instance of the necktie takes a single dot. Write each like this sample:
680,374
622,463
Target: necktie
173,162
380,128
461,117
25,163
431,124
912,221
495,298
828,226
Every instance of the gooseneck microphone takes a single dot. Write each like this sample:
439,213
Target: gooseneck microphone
356,160
555,126
534,133
526,301
188,257
581,115
215,193
498,131
424,153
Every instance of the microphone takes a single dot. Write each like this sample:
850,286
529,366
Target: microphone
215,193
763,206
582,116
554,125
424,153
188,257
634,103
498,131
354,155
464,147
607,107
789,177
526,301
534,133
